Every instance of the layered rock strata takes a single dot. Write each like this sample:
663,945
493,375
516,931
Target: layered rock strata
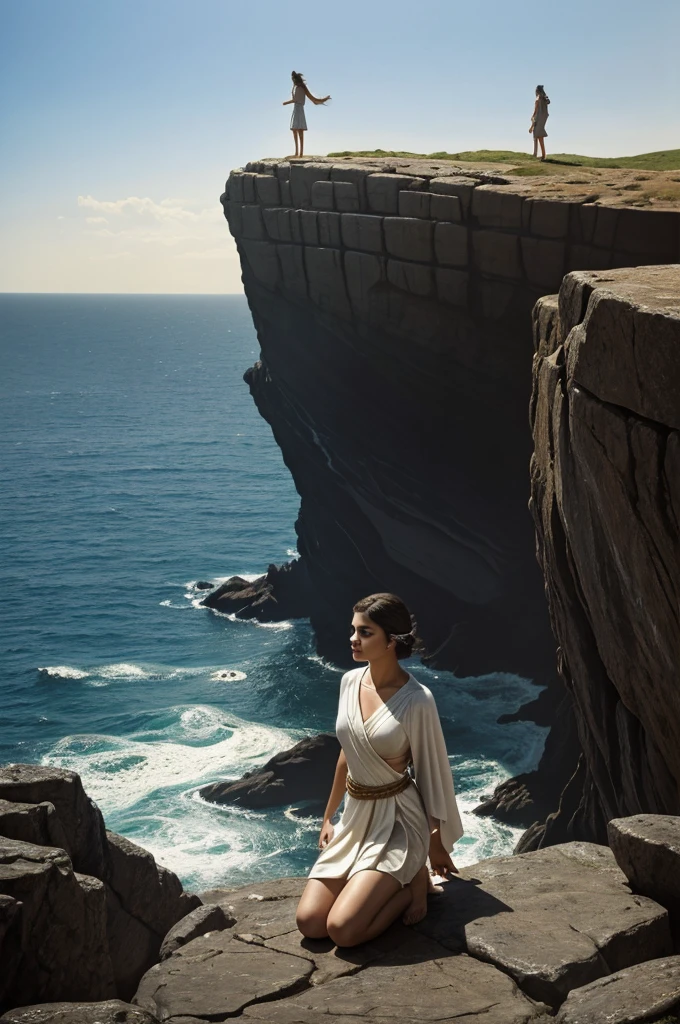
392,304
605,481
83,911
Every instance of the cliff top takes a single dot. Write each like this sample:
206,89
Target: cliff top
606,186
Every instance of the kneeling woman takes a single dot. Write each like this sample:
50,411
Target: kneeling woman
372,868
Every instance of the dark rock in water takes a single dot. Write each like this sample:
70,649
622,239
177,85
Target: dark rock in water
112,1011
200,921
282,593
203,585
66,933
635,995
647,849
305,772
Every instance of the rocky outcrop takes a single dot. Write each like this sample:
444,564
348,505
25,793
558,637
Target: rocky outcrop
282,593
645,992
606,502
67,933
305,772
392,304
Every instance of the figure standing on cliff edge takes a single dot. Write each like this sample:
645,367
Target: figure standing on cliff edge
538,119
372,868
298,122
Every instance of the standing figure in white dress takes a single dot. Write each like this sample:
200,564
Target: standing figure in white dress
538,119
372,867
298,121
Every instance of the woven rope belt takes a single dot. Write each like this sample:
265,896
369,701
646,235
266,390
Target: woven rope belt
377,792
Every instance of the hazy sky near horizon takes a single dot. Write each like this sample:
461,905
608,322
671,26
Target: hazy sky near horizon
121,120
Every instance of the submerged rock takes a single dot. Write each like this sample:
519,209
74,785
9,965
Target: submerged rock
305,772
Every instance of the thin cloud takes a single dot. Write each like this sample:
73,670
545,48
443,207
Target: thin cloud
137,206
218,253
96,220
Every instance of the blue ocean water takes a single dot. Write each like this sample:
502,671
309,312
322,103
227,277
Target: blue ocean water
134,464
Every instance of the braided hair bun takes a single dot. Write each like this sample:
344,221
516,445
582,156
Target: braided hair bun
390,613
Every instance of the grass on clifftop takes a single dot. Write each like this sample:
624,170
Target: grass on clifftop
667,160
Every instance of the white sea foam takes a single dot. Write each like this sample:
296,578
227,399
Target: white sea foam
123,670
64,672
118,772
227,675
292,552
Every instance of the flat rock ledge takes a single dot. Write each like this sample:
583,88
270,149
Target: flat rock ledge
511,940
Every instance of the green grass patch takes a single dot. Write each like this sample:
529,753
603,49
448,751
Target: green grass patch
665,160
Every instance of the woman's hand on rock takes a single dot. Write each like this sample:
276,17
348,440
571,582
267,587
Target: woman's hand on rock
326,834
440,860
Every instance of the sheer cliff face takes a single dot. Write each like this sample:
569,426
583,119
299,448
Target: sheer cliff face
606,500
393,314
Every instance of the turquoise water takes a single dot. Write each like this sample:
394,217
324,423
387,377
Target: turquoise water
134,464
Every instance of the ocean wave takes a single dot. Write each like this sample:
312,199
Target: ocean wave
63,672
120,772
227,675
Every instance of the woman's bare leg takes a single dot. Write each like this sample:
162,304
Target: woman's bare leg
367,905
542,144
420,885
535,146
315,904
301,133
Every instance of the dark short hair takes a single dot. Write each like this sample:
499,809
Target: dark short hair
390,613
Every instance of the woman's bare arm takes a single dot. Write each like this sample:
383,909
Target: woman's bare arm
314,99
338,788
337,792
286,102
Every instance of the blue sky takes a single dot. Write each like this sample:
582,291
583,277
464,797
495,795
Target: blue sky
141,107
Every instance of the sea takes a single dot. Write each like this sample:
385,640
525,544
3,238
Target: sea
134,465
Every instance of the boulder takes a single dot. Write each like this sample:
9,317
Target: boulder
645,992
647,849
63,948
80,818
199,922
305,772
112,1011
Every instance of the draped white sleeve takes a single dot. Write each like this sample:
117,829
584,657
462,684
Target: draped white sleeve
431,764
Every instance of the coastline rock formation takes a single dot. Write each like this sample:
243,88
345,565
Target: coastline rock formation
305,772
605,480
392,303
83,911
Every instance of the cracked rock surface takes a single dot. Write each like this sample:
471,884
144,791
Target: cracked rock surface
509,938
